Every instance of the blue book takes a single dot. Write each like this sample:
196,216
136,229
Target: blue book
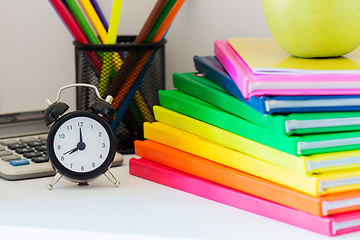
213,70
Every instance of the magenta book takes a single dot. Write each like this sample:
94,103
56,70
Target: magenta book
284,74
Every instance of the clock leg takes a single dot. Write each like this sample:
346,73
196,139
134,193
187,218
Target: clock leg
54,181
112,178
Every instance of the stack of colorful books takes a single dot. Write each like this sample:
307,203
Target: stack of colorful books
262,131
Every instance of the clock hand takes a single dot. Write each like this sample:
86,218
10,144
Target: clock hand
71,151
80,146
81,139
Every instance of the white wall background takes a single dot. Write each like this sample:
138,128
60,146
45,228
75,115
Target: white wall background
37,55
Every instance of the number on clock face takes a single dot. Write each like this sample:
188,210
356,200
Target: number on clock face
81,144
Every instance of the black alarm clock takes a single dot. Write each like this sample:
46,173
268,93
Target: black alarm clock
81,144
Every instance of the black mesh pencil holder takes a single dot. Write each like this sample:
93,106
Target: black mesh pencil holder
132,74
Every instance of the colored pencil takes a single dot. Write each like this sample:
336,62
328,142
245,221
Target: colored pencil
115,84
82,21
100,14
69,22
165,25
72,25
95,19
114,22
165,11
150,21
154,29
111,39
131,78
128,95
144,107
144,58
129,61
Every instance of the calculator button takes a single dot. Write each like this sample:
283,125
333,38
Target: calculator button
16,145
28,139
43,137
35,143
32,154
41,148
9,141
19,162
5,153
24,150
10,157
40,159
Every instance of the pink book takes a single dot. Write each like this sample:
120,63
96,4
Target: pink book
331,225
260,67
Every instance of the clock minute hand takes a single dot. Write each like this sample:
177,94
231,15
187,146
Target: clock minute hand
81,138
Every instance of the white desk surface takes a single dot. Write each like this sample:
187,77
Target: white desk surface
138,209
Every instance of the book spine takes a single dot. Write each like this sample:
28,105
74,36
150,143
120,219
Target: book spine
302,92
220,77
197,87
259,103
232,141
198,109
190,143
226,56
227,176
212,191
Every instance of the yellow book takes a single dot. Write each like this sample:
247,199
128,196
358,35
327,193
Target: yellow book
316,185
305,165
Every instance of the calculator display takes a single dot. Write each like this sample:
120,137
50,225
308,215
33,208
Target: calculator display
22,124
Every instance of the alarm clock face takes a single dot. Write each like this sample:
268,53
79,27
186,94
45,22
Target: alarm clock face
81,145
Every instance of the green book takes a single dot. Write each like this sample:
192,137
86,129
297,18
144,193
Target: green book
290,124
296,144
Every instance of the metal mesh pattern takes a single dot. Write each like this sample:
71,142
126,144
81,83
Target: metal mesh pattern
131,73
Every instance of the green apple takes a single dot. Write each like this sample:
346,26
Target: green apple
314,28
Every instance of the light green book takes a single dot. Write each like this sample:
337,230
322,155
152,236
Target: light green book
294,123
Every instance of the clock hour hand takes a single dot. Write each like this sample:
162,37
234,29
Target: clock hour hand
80,146
71,151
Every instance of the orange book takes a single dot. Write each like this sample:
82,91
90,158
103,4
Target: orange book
201,167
